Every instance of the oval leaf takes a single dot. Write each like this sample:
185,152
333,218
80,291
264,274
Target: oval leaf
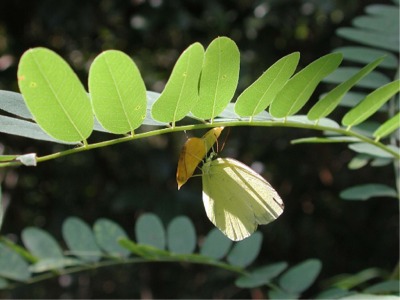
150,231
55,96
298,90
40,243
245,251
261,276
107,234
215,245
388,127
258,96
373,80
181,90
331,100
219,78
117,91
80,239
12,265
181,235
371,104
300,277
367,191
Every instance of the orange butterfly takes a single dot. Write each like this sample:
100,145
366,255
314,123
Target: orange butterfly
193,152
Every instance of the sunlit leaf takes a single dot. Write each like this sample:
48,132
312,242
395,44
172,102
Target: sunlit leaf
261,275
259,95
371,104
55,96
181,235
41,244
12,266
367,191
219,78
301,276
215,245
150,231
331,100
298,90
181,90
365,55
80,239
246,251
388,127
107,234
117,92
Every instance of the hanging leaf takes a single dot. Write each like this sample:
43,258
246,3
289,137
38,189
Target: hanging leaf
371,104
331,100
181,90
246,251
367,191
117,92
373,80
12,266
107,234
14,103
55,96
219,78
370,149
365,55
215,245
80,239
258,96
388,127
150,231
41,244
297,91
181,236
300,277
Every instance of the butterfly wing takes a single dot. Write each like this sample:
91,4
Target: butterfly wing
237,199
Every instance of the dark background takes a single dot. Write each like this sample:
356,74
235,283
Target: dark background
123,181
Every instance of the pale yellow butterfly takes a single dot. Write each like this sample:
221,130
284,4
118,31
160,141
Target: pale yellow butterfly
236,198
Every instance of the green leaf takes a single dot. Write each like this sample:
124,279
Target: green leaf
14,103
48,264
365,55
369,149
150,231
2,208
12,266
388,127
373,80
181,90
298,90
215,245
331,100
26,129
107,234
245,251
41,244
388,41
367,191
371,104
319,140
358,161
80,239
3,283
353,280
181,235
145,251
385,287
261,275
301,276
277,293
333,293
55,96
117,91
24,253
219,78
258,96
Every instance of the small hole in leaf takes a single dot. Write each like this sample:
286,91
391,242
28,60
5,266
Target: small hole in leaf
33,84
